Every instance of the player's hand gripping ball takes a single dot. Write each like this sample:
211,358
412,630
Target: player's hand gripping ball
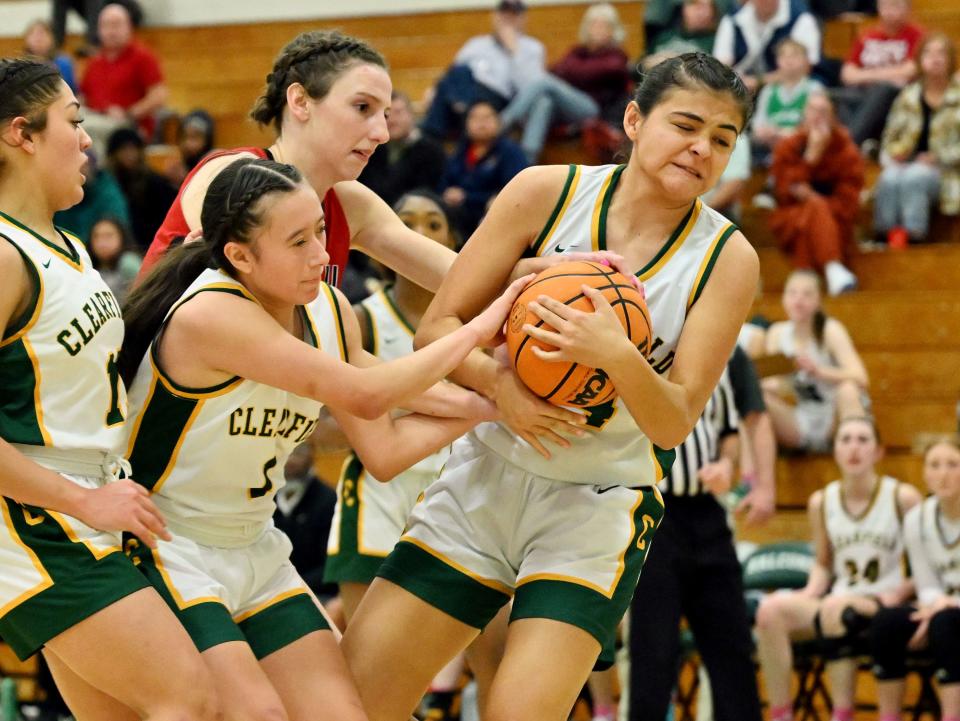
566,383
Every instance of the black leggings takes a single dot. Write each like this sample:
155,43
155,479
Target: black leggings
891,631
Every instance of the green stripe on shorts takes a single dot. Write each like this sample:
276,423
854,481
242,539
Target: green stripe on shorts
584,607
442,586
282,623
348,565
82,585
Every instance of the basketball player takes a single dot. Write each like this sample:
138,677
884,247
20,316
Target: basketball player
327,96
65,585
565,534
858,543
932,535
241,358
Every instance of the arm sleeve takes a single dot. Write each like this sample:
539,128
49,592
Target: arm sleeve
728,420
150,72
925,578
528,63
746,385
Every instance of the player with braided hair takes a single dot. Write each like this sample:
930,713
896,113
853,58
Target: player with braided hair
245,346
65,585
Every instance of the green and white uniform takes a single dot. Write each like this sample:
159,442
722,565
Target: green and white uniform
371,515
63,406
933,545
567,536
213,460
868,549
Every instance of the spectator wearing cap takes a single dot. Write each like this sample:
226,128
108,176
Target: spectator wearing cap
149,195
747,39
409,160
194,141
492,68
123,83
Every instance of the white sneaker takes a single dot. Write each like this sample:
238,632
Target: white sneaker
839,278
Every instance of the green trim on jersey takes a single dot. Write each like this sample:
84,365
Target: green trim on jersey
442,586
396,310
73,256
677,232
309,327
708,269
561,201
158,433
605,207
584,607
340,329
665,458
19,420
30,313
281,624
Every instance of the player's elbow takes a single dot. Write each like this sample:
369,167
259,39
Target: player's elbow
379,466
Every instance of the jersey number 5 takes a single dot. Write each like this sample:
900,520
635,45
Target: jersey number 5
267,486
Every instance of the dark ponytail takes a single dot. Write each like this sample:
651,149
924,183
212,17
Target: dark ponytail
314,60
230,213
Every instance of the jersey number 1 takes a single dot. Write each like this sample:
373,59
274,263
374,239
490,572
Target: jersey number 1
114,414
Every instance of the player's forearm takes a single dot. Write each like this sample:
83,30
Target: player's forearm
478,371
26,482
411,439
445,400
660,408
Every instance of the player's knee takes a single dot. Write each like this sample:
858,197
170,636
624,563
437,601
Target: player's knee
944,637
193,696
769,616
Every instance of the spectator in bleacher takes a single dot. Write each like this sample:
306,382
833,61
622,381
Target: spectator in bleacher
123,83
491,67
830,380
482,165
747,39
880,63
149,195
38,42
818,176
932,623
921,148
88,11
779,108
591,77
304,512
113,255
102,198
409,160
858,546
194,141
692,27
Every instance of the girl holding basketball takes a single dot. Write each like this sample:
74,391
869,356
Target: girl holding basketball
327,96
233,345
565,537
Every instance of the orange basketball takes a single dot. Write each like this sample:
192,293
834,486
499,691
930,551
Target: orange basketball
566,383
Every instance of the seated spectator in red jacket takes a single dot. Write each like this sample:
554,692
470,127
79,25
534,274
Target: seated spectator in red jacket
881,62
123,83
483,164
818,174
409,160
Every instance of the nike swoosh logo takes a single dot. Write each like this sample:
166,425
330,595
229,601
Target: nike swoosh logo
46,264
562,250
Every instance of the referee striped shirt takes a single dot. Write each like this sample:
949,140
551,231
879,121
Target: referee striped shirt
702,446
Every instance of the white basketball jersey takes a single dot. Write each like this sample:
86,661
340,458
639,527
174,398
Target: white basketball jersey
58,373
942,553
618,453
867,549
391,337
213,458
